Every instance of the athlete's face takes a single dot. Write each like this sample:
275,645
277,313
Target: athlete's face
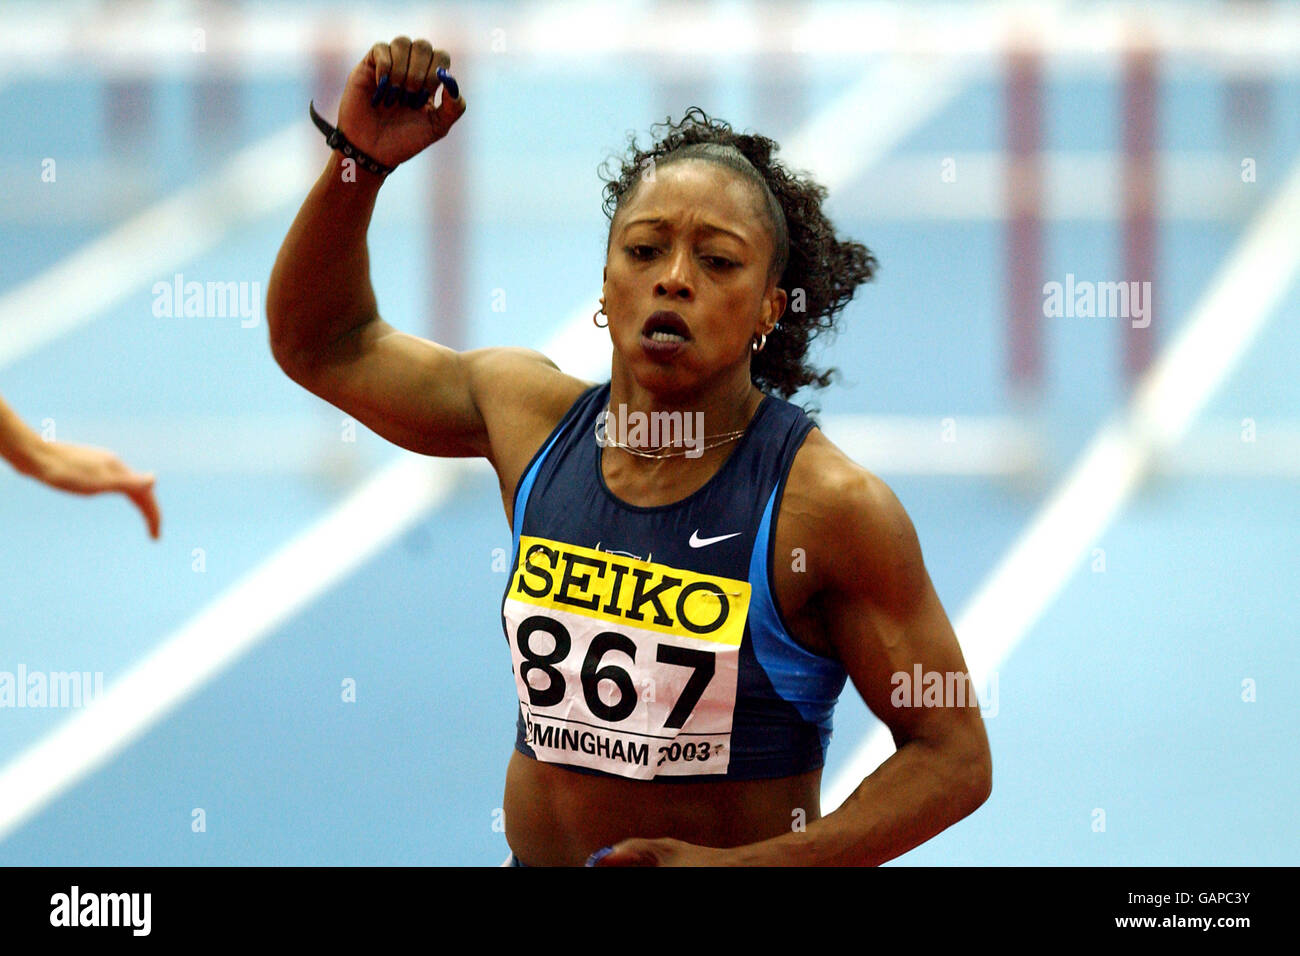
693,241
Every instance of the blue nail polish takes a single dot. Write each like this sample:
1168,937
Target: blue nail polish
449,82
379,92
420,99
391,96
599,855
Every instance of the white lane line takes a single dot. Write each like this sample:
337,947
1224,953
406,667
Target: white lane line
989,445
397,498
250,610
1267,447
150,246
1078,185
388,504
1227,319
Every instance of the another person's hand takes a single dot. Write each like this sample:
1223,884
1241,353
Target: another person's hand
392,131
88,471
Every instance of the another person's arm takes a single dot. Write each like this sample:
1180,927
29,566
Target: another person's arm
74,468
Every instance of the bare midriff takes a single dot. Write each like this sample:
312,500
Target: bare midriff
558,817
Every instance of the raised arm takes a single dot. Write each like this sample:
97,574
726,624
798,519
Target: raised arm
324,323
325,328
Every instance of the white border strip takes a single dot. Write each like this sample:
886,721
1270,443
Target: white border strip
1243,297
39,40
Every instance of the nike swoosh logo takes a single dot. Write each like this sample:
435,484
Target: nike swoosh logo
698,542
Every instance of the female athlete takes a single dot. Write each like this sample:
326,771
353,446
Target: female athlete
697,569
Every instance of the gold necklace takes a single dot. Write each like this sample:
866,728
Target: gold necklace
722,439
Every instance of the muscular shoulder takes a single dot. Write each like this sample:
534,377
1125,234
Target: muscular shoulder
521,396
520,380
860,539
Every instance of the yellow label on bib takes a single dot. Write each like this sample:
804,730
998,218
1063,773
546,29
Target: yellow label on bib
622,590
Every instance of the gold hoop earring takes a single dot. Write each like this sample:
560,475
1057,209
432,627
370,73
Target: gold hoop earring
600,311
760,343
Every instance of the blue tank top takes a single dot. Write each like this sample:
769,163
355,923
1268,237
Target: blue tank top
646,642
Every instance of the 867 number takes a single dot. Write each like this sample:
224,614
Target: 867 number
702,664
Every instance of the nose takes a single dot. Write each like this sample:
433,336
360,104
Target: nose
675,279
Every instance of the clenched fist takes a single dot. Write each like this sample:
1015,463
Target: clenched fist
392,76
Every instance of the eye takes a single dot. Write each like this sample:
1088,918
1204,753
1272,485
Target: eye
640,252
719,262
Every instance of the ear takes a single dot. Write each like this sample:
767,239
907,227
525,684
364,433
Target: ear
773,308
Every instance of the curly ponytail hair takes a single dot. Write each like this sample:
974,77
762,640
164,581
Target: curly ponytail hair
819,272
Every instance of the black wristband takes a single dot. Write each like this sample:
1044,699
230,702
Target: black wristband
335,139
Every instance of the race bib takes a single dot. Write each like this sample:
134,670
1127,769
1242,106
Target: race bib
624,665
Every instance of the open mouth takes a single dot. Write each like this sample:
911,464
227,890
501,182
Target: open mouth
668,328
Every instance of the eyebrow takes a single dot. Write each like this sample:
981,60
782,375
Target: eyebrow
706,227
